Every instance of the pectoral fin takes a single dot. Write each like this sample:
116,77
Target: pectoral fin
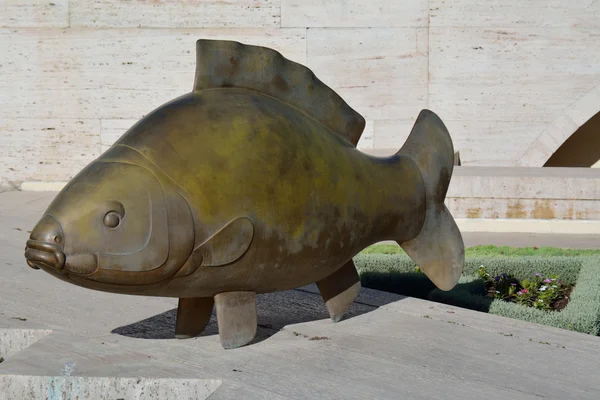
227,245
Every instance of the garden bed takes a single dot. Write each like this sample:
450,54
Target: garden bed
397,273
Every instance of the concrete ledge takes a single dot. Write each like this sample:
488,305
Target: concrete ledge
67,387
556,226
14,340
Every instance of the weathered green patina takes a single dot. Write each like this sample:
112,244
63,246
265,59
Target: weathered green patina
251,183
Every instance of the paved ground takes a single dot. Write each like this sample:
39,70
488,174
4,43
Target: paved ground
390,347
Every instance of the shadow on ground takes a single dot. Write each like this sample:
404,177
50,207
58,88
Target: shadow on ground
469,295
275,311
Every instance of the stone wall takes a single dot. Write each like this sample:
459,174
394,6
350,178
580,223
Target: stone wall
525,193
511,79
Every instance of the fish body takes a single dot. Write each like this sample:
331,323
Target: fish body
250,183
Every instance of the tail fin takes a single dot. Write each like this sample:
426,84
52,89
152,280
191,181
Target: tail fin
438,249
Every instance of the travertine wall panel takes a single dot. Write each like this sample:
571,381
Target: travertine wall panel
525,183
367,137
497,143
514,74
110,73
34,13
391,134
382,72
110,76
517,208
525,193
113,129
176,14
354,13
514,80
47,149
510,79
538,13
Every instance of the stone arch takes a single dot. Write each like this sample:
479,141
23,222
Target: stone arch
578,113
581,149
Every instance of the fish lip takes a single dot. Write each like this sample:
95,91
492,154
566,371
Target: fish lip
38,253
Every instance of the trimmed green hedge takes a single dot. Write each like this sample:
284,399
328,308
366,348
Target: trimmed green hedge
582,314
396,273
391,269
489,250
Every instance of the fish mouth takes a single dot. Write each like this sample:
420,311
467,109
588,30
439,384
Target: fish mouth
41,254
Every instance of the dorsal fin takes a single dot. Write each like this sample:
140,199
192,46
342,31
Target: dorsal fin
224,63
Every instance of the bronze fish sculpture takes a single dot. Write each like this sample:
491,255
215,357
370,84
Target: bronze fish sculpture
251,183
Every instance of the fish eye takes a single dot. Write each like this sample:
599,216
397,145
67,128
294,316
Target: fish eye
112,219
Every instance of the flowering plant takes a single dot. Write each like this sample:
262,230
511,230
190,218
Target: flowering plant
539,292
